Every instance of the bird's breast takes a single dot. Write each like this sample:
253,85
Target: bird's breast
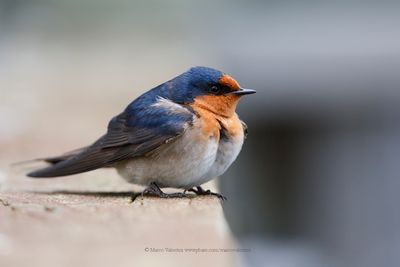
208,124
229,146
205,150
182,163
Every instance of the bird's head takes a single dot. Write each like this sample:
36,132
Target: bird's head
212,89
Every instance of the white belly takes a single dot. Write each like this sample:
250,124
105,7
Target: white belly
189,161
181,164
228,150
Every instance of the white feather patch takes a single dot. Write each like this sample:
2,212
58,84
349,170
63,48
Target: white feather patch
170,106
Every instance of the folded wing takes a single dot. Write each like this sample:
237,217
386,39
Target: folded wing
135,132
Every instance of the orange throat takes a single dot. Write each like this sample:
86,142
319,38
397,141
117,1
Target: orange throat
222,105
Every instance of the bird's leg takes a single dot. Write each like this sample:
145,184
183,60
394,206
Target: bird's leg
154,190
200,191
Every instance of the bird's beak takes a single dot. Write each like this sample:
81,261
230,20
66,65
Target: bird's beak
243,91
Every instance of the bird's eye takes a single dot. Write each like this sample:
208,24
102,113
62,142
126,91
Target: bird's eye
214,89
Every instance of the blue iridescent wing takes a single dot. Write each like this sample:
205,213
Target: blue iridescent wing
135,132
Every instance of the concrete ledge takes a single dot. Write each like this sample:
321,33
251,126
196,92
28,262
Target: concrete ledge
100,228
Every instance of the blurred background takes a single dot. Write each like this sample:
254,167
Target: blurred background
317,182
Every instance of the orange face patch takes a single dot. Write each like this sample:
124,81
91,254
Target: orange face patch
228,81
223,105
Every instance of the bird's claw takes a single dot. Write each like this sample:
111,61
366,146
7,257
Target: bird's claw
154,190
201,192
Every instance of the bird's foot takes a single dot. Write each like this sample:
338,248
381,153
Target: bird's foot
200,191
154,190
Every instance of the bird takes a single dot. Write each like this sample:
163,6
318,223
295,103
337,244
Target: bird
180,134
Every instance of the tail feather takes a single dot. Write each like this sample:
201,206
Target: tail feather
78,161
63,157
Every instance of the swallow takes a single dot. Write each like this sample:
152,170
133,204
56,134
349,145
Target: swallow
179,134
